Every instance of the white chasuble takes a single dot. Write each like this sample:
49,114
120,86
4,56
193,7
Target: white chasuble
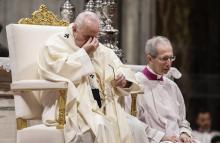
62,60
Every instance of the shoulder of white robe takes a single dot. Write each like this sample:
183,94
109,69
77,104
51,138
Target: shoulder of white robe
139,77
171,82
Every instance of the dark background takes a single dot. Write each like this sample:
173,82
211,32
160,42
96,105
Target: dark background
193,28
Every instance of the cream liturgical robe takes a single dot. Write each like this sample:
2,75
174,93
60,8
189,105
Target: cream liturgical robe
162,105
62,60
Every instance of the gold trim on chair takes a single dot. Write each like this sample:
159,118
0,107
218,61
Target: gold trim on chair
134,102
62,104
21,123
43,17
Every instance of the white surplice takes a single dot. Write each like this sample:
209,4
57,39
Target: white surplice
62,60
162,107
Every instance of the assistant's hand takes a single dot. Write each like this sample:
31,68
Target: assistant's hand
185,138
91,45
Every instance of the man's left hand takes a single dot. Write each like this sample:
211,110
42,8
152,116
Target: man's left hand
120,81
185,138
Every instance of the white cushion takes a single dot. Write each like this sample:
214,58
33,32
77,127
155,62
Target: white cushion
37,85
24,42
136,68
40,134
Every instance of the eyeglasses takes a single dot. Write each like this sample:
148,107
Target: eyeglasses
166,58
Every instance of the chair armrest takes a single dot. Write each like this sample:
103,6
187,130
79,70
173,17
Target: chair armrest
37,85
24,85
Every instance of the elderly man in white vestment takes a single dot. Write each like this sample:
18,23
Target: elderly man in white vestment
162,105
96,80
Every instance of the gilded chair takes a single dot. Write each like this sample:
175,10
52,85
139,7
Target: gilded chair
24,41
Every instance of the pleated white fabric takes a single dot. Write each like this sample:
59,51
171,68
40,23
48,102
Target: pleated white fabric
62,60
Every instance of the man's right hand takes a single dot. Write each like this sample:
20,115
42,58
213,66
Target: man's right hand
173,139
91,45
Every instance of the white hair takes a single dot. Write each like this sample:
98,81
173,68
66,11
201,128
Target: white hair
151,45
83,16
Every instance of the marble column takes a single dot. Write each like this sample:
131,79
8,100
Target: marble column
129,30
138,25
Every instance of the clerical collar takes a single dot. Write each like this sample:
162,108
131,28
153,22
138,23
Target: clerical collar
151,75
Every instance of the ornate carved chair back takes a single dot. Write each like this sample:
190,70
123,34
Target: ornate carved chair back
25,39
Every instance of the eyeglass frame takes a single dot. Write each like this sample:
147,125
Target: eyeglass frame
165,58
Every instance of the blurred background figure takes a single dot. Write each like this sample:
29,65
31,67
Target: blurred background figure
204,131
3,50
215,139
